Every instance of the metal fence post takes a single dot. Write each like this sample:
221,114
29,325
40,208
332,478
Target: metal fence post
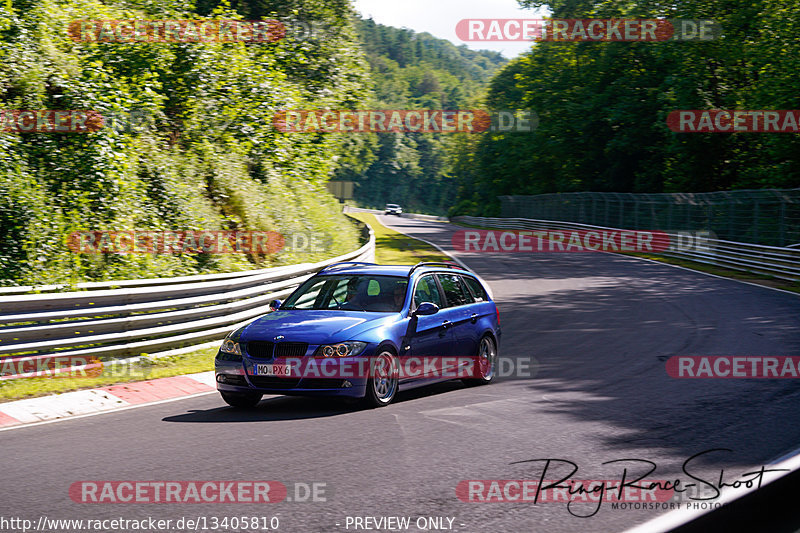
755,221
730,218
782,224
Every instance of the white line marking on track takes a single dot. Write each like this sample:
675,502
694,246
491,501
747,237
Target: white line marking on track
23,426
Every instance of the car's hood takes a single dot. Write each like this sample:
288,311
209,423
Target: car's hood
313,327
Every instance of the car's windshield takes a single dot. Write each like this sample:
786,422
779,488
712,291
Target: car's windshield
354,292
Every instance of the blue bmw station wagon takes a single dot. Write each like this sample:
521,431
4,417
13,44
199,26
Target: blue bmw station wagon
360,330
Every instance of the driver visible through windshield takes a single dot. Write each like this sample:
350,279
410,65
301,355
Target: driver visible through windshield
380,294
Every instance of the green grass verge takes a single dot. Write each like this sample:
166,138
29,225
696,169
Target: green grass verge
149,368
395,248
392,247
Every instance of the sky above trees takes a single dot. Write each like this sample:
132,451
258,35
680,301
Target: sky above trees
439,18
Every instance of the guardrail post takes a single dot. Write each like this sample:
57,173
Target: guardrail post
730,219
755,222
709,216
669,216
782,224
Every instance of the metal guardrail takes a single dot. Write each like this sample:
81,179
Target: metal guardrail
119,284
778,262
145,316
429,218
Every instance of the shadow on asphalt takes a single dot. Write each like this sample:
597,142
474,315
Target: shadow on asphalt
601,327
282,408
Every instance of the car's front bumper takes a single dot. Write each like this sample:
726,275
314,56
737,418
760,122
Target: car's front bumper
331,379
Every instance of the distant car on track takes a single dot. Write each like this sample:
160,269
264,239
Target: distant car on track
393,209
366,331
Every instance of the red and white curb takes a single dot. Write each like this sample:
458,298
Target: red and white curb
111,398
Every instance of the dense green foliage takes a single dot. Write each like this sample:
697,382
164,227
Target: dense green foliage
204,155
415,71
207,157
603,107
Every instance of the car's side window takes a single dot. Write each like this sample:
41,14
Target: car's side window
454,290
309,299
478,292
427,291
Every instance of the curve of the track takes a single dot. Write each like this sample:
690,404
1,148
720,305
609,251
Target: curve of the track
599,327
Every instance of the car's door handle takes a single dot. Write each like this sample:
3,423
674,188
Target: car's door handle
445,325
473,317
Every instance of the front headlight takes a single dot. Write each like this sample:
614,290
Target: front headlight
229,351
343,349
228,346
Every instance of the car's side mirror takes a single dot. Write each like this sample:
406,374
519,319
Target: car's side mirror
426,308
274,305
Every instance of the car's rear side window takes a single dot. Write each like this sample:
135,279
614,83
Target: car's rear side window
454,290
427,291
478,292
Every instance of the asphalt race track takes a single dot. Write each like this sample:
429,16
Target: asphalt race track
597,329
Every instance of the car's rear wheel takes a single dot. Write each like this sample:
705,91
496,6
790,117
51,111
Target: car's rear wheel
241,400
383,382
485,362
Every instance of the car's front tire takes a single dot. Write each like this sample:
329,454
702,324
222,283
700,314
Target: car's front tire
241,400
383,381
485,363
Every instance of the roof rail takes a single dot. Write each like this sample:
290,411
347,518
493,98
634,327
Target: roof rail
437,263
344,264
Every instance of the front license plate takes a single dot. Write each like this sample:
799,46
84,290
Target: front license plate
273,370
